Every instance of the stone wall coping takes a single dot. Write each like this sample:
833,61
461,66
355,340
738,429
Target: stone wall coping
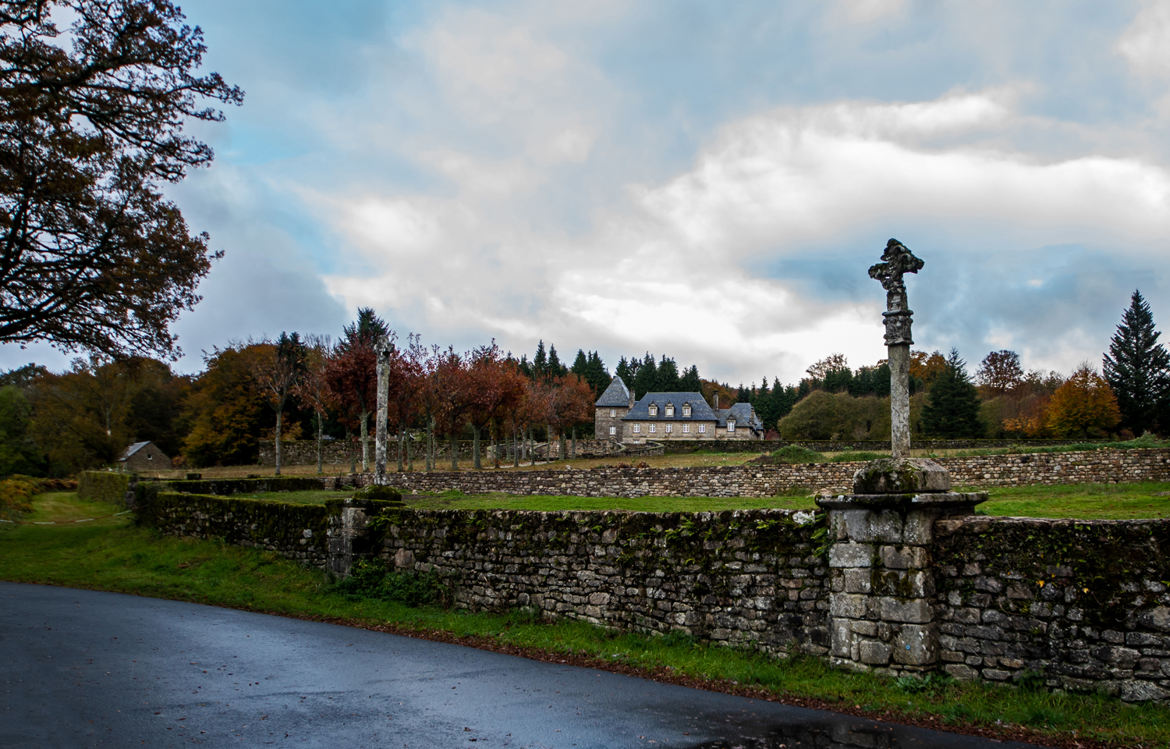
941,500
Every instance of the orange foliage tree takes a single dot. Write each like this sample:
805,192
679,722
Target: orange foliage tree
1084,406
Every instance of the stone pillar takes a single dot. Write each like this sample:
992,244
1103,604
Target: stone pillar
899,357
350,536
382,350
881,595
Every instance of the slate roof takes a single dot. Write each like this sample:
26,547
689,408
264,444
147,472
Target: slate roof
743,414
616,395
700,411
133,449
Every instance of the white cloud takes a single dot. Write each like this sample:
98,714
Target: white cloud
1146,43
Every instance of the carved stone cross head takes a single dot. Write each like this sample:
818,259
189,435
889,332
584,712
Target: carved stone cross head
898,260
382,348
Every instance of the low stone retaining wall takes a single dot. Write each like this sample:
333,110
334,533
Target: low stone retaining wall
1074,604
745,578
1069,604
754,480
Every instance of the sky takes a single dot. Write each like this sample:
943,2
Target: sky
706,180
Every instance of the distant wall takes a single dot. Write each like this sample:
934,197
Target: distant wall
756,480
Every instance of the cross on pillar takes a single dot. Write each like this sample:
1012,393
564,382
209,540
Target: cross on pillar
897,260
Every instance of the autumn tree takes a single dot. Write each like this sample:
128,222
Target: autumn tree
227,408
1137,368
952,407
453,393
1084,406
926,367
351,373
312,390
491,388
92,255
570,404
1000,372
278,372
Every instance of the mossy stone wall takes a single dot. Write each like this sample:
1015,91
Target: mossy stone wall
296,531
103,486
1079,604
751,578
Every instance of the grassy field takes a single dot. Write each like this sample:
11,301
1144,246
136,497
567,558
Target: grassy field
106,552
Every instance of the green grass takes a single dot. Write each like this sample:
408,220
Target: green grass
108,553
1083,501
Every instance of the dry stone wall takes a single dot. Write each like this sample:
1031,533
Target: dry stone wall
744,578
1075,604
757,480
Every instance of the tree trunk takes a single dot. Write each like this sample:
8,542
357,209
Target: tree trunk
573,450
475,448
454,449
515,449
409,455
430,443
400,440
562,453
320,444
279,420
365,442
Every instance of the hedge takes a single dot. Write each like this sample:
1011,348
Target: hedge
103,486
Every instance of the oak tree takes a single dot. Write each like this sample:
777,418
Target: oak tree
1084,406
92,255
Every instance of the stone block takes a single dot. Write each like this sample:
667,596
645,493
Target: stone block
915,645
851,555
903,557
848,606
909,610
873,653
961,672
857,580
901,476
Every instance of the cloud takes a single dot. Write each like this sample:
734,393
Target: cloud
1146,43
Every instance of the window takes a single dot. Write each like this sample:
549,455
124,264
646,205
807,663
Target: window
612,413
670,409
686,409
637,429
702,429
730,425
653,409
612,431
669,428
686,428
653,428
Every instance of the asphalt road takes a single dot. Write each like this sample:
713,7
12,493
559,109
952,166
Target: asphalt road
81,668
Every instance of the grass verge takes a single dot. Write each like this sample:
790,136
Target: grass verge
107,553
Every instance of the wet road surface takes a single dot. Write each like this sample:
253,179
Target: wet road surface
83,668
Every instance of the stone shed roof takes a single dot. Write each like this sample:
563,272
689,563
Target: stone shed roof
743,414
133,449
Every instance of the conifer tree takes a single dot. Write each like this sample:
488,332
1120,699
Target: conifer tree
1137,367
952,408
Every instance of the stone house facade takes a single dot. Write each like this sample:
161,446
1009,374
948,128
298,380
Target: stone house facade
670,416
143,456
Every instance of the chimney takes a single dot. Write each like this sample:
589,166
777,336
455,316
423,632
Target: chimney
716,400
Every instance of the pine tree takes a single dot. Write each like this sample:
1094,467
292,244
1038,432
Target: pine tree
667,375
691,382
952,408
1137,367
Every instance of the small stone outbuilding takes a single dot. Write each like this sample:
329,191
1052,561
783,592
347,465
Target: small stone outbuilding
143,456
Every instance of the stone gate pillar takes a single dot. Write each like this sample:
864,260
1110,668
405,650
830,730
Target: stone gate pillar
881,594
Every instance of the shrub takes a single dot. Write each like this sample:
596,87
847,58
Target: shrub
374,579
16,493
103,486
379,492
797,454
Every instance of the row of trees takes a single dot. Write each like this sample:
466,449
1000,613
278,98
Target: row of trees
298,387
1132,395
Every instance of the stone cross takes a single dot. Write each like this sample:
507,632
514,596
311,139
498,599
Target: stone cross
897,260
382,350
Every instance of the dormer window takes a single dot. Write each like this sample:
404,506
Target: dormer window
670,409
686,409
731,425
653,409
